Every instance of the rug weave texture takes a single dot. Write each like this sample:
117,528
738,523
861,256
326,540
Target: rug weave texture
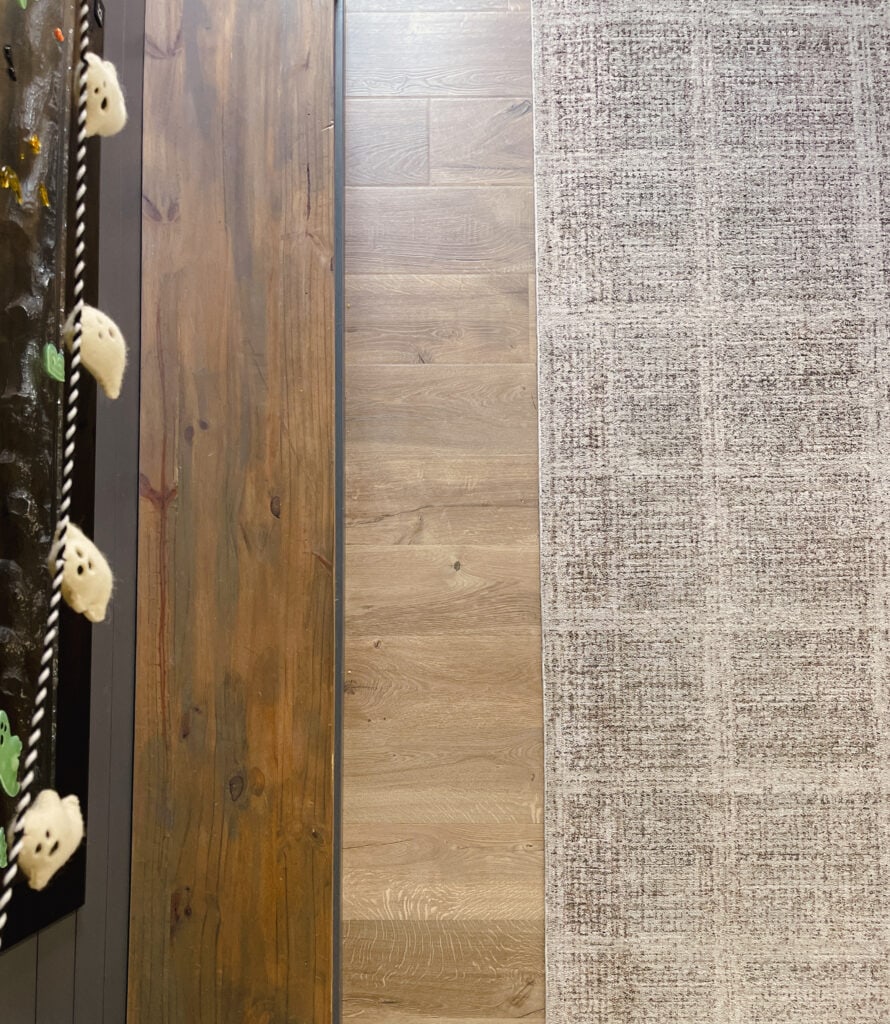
713,201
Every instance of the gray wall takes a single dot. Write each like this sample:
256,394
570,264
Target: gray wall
76,971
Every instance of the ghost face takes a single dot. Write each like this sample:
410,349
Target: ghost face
102,348
52,831
87,579
106,109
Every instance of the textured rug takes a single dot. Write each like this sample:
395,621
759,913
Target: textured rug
713,193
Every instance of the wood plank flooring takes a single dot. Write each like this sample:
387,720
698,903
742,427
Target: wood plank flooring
232,883
443,890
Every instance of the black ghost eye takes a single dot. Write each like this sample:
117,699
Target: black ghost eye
101,334
54,847
80,570
38,847
90,566
96,89
48,834
104,103
78,552
111,332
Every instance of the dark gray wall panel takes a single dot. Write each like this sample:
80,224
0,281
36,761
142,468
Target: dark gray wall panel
101,956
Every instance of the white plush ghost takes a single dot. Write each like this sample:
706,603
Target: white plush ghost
87,579
102,348
106,109
52,831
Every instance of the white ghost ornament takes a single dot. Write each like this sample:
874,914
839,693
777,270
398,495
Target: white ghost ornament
103,350
86,581
52,829
106,109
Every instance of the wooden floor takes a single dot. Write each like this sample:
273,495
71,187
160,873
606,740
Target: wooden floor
232,880
443,842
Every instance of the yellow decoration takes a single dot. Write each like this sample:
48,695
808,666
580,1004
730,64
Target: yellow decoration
9,179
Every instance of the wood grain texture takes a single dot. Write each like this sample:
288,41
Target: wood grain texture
232,857
439,231
480,789
442,6
444,872
507,756
443,727
387,142
439,318
401,676
441,410
438,54
464,969
479,142
439,589
442,785
452,499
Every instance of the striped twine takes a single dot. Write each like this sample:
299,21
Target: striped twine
51,636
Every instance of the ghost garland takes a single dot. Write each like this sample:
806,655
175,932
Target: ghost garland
48,828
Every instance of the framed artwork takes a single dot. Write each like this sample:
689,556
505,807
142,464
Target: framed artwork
38,109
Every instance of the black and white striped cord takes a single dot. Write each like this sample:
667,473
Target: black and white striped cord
50,640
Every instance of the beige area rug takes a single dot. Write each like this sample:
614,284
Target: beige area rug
713,188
